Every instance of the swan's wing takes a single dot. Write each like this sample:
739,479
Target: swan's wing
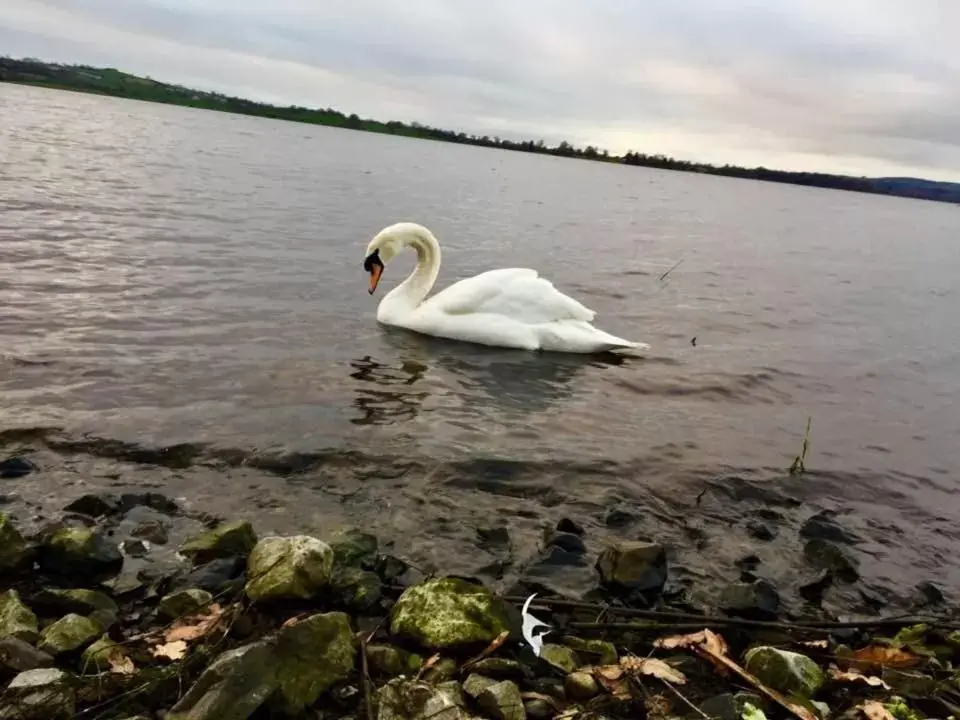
518,293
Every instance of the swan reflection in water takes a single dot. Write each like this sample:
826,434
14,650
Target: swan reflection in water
509,383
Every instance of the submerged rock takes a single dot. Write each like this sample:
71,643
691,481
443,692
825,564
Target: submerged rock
288,567
45,694
80,556
16,619
356,589
291,668
15,467
19,656
826,555
447,612
823,526
760,530
757,600
183,602
69,633
95,505
14,551
225,540
635,565
353,548
404,699
785,671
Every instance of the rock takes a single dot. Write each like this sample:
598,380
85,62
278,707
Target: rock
567,525
785,671
95,505
14,551
756,600
499,668
540,709
826,555
152,531
79,556
581,685
216,576
909,683
760,530
182,603
600,652
135,548
292,667
69,633
97,605
17,655
155,501
502,701
446,668
16,619
824,527
448,612
618,518
929,593
404,699
390,568
493,538
476,684
288,567
225,540
565,541
730,706
812,590
561,657
354,549
635,565
96,658
43,694
15,467
356,589
388,661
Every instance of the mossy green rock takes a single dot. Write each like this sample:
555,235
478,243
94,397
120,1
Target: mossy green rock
92,603
95,659
14,551
80,555
388,661
292,668
16,619
501,700
353,548
356,589
561,657
69,633
404,699
288,567
788,672
226,540
602,652
634,564
448,612
183,602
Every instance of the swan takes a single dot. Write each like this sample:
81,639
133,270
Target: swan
510,307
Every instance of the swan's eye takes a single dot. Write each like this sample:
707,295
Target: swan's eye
373,260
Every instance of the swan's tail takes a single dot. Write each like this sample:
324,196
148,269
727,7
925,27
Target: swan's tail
582,337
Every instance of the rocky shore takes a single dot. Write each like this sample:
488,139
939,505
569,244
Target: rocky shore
128,606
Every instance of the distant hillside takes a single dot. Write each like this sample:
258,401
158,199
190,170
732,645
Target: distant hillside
108,81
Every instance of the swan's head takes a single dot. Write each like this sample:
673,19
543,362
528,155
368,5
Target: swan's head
387,244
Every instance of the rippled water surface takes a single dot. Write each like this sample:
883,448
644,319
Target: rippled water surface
176,276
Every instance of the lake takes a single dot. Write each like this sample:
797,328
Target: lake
174,276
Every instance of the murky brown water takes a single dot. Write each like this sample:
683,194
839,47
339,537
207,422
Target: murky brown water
175,276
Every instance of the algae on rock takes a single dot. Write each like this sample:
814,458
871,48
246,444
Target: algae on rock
448,612
80,555
45,694
288,567
183,602
404,699
69,633
225,540
788,672
16,619
14,550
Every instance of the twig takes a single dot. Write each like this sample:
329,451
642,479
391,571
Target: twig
365,670
675,266
687,702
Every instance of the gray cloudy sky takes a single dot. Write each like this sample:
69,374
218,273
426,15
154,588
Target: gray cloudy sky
863,86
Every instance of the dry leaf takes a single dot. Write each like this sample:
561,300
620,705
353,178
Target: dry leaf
172,651
195,626
875,710
540,696
883,656
816,644
290,622
613,679
705,638
120,663
429,663
652,666
657,706
489,649
854,676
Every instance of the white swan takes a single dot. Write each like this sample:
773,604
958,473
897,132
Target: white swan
512,307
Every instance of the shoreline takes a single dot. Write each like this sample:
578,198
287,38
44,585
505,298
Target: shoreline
195,614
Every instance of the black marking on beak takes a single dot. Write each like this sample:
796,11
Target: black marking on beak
373,265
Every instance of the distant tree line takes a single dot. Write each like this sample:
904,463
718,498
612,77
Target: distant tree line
109,81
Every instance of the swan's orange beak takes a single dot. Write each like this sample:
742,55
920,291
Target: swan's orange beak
375,272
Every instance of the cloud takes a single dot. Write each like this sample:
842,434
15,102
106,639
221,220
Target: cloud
861,86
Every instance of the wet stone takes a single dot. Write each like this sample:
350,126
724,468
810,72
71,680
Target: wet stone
581,685
42,694
618,518
566,525
152,531
824,527
569,542
93,603
80,556
757,600
183,602
827,555
760,530
812,590
16,619
19,656
215,576
95,505
226,540
15,467
69,633
14,551
635,565
354,548
784,671
561,657
493,538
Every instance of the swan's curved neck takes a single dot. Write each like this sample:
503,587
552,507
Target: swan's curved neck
415,288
